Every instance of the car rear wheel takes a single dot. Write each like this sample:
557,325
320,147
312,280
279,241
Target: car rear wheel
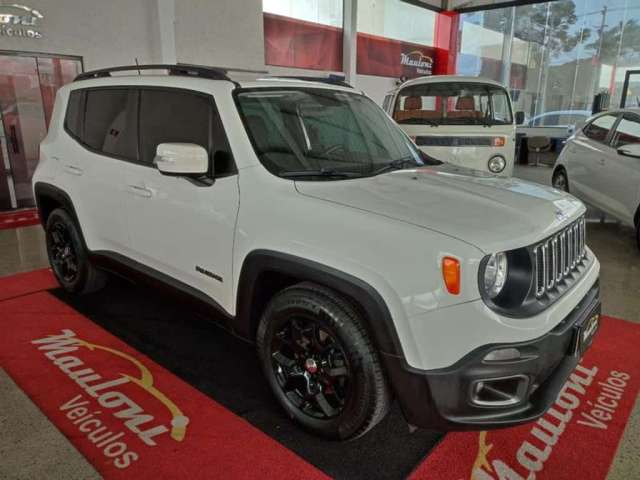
560,180
68,256
321,364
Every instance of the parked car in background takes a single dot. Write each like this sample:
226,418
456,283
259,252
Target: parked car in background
467,121
560,118
601,165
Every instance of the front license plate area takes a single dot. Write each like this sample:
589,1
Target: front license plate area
584,332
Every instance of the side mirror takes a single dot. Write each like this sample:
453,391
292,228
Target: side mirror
630,150
181,159
519,118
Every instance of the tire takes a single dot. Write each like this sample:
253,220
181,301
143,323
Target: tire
560,180
69,257
638,233
309,340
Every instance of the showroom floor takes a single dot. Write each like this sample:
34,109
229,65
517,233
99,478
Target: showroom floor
32,445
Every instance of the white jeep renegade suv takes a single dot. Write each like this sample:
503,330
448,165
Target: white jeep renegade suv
362,269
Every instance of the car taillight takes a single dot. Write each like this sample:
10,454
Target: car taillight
451,274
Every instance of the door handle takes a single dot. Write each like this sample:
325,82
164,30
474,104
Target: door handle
140,191
602,161
73,170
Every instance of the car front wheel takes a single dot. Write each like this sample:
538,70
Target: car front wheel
560,180
320,362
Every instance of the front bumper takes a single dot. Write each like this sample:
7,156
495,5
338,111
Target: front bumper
447,398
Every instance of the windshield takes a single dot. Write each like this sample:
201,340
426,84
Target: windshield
307,132
453,103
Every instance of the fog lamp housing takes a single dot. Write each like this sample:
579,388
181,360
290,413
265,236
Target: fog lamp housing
502,355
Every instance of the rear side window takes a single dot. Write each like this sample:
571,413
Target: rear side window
599,129
627,131
173,117
110,122
73,119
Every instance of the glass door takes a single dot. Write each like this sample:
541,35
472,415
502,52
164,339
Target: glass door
28,85
631,90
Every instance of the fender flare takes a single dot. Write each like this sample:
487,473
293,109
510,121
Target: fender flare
42,190
377,317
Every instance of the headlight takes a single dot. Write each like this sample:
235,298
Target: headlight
496,164
495,274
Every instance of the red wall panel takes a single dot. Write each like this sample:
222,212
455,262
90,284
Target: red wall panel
289,42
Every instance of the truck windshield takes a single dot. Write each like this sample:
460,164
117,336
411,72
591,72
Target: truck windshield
314,133
453,103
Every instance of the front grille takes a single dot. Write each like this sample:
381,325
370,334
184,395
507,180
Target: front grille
558,257
442,141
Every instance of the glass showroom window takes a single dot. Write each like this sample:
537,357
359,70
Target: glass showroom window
394,38
555,56
303,33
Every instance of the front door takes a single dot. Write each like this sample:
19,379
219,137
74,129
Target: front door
589,151
28,85
183,227
621,175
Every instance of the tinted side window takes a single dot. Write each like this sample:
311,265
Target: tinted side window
74,117
600,127
173,116
110,122
627,131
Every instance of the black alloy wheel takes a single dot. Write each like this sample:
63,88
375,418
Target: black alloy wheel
320,363
68,255
311,367
64,258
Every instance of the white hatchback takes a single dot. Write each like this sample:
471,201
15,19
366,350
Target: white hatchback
600,164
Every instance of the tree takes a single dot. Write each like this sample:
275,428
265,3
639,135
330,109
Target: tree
618,43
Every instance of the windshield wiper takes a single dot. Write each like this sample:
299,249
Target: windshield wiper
328,173
399,164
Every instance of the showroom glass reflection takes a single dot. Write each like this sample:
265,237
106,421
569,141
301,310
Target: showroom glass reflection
554,56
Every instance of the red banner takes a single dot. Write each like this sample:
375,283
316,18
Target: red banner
392,58
289,42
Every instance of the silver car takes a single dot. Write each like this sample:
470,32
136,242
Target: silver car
601,165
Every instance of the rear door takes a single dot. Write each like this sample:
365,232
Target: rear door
621,174
587,156
101,124
183,227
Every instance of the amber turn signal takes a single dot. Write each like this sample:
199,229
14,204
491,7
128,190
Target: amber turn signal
499,141
451,274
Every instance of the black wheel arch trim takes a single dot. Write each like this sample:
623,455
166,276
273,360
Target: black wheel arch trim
377,317
44,190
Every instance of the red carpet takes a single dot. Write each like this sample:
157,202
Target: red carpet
129,417
20,218
132,418
576,439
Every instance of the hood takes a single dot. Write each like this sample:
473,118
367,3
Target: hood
491,213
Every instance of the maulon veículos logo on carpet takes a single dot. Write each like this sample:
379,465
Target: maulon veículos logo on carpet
65,351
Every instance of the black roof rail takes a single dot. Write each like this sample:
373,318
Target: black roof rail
201,71
330,79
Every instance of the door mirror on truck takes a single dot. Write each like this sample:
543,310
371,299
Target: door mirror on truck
519,118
